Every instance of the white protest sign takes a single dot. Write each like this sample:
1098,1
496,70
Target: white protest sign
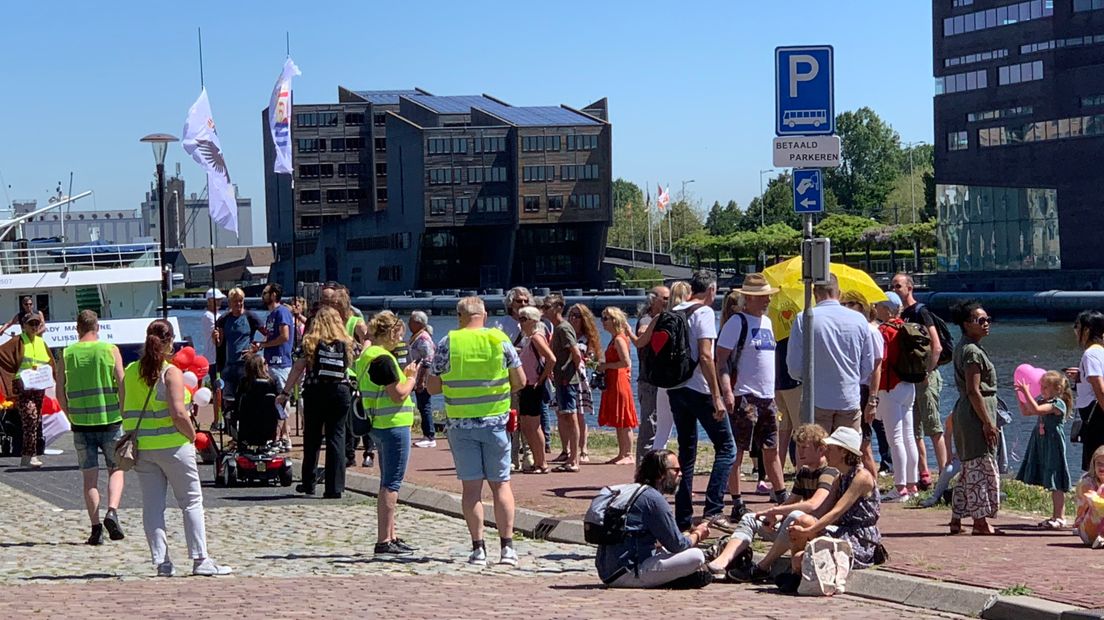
40,378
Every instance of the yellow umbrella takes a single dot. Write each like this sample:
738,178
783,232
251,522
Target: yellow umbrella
790,300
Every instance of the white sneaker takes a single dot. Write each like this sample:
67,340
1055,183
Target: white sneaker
30,461
165,569
425,443
896,497
478,557
509,557
208,568
1098,543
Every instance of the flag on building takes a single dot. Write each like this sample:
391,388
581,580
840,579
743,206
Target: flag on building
662,199
279,117
201,141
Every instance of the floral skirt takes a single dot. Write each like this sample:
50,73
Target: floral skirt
977,494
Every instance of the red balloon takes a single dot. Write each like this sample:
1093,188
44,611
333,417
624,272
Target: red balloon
50,405
200,365
202,442
184,358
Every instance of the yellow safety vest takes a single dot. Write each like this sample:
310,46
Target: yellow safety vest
157,431
35,352
90,384
385,413
477,384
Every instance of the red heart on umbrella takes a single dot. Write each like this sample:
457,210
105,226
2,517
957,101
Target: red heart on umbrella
659,339
787,314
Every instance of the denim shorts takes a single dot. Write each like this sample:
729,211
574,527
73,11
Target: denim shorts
393,447
567,398
480,453
279,376
89,445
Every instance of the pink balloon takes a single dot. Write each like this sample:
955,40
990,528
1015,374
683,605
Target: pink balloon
1030,374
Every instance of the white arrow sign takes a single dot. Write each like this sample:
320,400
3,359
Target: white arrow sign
808,202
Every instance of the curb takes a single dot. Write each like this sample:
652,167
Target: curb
873,584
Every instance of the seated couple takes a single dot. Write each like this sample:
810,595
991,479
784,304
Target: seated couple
833,495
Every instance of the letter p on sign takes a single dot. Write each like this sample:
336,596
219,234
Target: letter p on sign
796,75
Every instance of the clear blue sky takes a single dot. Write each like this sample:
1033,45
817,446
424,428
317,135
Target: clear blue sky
689,83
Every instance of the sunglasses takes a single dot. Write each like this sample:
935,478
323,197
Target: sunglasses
521,300
983,320
34,323
574,315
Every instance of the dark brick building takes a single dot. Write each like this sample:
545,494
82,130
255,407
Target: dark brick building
435,192
1019,130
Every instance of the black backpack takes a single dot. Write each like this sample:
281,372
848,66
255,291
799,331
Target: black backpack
330,364
604,523
945,338
667,358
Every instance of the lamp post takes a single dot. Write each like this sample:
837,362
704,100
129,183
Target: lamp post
912,188
671,214
762,203
160,143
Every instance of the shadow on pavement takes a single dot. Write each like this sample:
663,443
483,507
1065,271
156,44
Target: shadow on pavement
582,492
41,544
72,577
566,556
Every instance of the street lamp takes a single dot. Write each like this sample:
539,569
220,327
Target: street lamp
912,188
160,143
762,204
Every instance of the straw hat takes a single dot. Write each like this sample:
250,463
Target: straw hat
756,284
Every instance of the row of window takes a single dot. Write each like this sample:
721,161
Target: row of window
476,174
500,204
316,119
532,204
585,142
394,241
445,176
1087,5
336,145
1092,101
1022,72
581,172
1000,16
531,144
972,58
1030,48
440,206
961,82
957,141
585,201
326,171
438,146
988,115
389,273
339,145
958,3
339,196
1040,131
538,173
492,204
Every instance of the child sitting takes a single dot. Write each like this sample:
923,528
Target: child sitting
257,413
1089,524
1044,463
811,492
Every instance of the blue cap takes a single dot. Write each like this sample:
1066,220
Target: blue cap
893,300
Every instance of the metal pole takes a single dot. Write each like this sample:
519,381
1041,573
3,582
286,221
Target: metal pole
912,188
807,414
164,265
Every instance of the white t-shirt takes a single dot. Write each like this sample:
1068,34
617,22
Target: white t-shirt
703,324
205,344
1092,365
755,368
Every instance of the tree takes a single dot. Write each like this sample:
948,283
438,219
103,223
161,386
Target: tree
684,220
869,162
630,220
723,220
638,277
845,231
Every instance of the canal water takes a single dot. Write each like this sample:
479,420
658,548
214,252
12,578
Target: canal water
1050,346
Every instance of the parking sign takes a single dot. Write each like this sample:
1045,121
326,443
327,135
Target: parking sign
808,191
804,93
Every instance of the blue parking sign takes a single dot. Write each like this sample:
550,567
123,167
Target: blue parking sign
805,92
808,191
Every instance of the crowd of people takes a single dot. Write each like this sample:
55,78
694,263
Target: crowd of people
543,361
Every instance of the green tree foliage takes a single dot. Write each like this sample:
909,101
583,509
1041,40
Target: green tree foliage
629,218
869,163
724,220
845,231
638,277
684,221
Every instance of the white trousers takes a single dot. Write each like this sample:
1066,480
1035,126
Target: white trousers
895,412
157,471
662,568
665,420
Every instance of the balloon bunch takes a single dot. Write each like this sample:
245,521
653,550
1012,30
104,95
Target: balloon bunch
194,368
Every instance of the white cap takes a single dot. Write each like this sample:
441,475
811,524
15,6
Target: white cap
847,438
214,293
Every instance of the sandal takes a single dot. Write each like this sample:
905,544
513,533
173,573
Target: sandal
538,470
994,532
567,468
1053,524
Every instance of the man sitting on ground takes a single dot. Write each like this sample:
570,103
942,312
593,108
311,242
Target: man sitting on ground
812,494
654,553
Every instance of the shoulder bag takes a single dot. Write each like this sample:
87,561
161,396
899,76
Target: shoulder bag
126,449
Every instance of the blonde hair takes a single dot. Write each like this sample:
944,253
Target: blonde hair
855,297
382,324
617,316
811,434
529,313
1097,454
589,327
680,292
1061,385
236,293
343,303
327,326
471,306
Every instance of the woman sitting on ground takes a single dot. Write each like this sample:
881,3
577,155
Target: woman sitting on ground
1089,524
854,517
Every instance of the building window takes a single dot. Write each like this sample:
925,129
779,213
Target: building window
972,58
538,173
1044,46
381,169
381,144
306,119
555,203
459,145
310,196
532,204
961,82
490,145
585,201
997,228
345,170
487,174
958,3
1022,72
438,146
463,205
582,142
381,194
327,119
957,141
1087,5
438,206
379,119
491,204
1041,131
390,273
311,145
445,176
580,172
1000,16
354,118
1092,101
1024,110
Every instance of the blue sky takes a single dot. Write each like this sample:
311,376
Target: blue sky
689,83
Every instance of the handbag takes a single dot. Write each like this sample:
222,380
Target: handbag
126,449
1079,424
825,567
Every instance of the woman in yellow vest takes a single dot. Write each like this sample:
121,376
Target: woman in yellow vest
385,390
27,351
154,403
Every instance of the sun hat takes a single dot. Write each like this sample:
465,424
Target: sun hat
214,293
756,284
893,301
854,297
847,438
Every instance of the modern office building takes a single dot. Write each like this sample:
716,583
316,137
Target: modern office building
441,192
1019,129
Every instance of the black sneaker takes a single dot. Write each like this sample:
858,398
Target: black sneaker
390,550
780,497
749,574
304,489
693,581
111,523
96,538
398,542
788,582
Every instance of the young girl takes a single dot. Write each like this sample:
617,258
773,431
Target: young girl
1090,503
1044,463
257,413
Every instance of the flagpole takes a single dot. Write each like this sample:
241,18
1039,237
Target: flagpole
632,236
670,216
648,209
217,400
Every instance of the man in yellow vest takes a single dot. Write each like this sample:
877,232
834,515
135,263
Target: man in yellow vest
477,369
90,375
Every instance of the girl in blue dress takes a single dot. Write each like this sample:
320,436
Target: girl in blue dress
1044,463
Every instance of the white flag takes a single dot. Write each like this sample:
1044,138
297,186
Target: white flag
202,143
279,117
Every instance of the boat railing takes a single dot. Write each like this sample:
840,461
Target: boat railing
23,257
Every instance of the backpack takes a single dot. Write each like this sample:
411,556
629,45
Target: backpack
913,349
330,364
668,360
825,567
604,523
945,337
734,355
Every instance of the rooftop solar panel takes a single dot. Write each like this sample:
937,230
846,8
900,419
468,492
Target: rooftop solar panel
384,97
533,116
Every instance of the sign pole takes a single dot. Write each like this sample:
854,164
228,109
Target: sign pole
807,412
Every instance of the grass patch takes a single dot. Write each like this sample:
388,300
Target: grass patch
1021,497
1020,589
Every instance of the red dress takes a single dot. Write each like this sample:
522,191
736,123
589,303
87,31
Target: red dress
618,409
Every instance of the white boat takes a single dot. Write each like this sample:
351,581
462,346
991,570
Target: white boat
121,282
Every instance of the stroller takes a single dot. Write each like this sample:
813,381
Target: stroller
253,455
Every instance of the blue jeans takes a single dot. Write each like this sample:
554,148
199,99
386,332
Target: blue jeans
480,453
394,449
421,401
690,408
547,415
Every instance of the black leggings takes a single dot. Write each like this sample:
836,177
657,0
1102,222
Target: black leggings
325,411
1092,433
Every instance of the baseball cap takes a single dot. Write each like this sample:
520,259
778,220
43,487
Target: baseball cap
893,301
213,293
847,438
